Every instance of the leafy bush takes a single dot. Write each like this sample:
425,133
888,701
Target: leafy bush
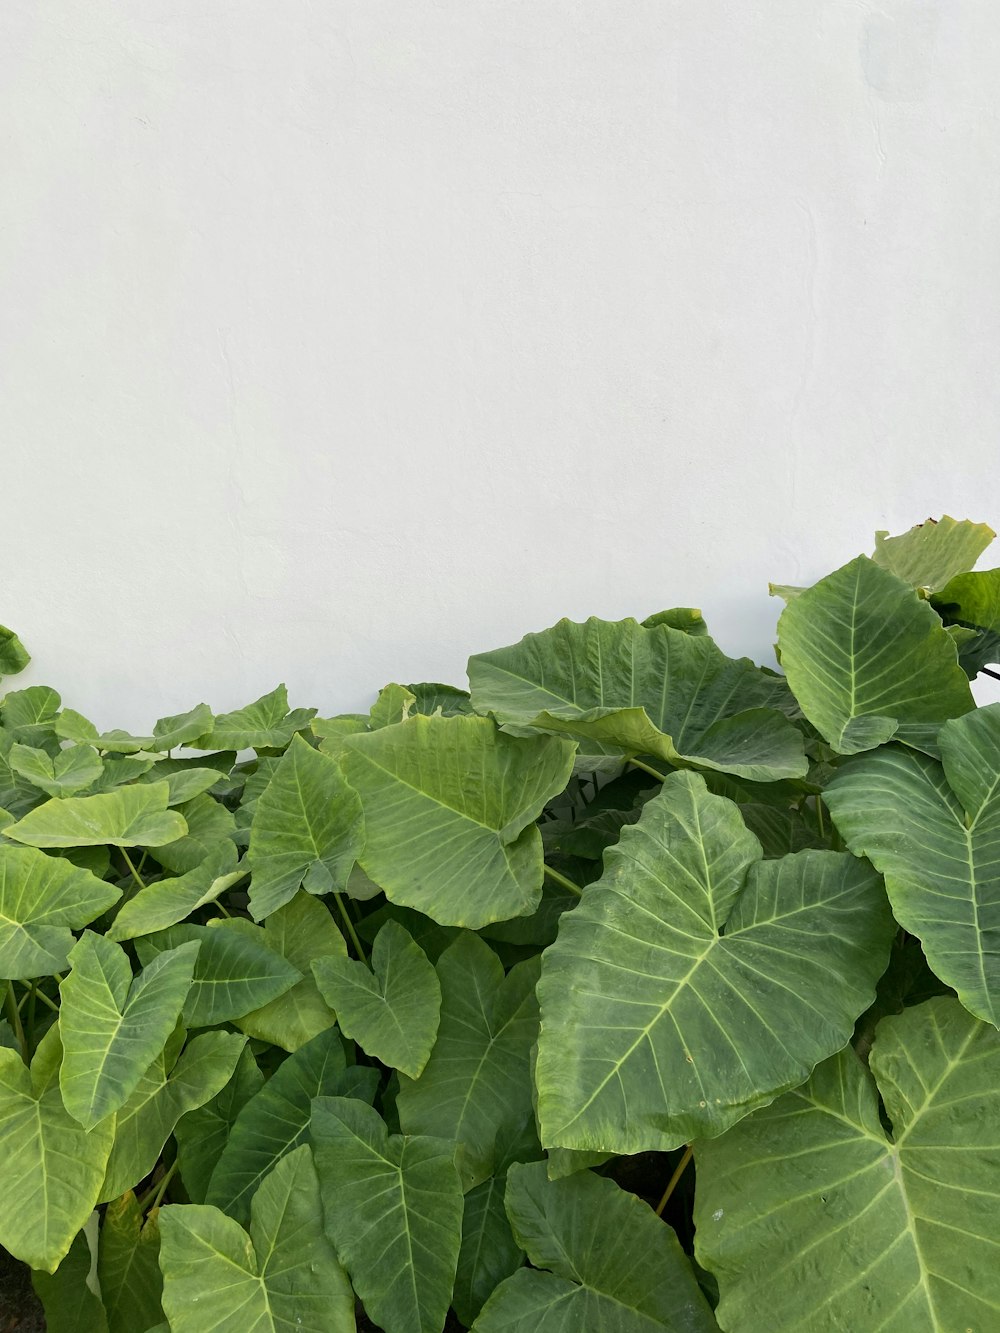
429,1009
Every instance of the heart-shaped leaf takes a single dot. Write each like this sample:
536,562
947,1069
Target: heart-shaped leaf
265,724
43,899
695,981
397,1218
283,1276
920,1211
126,817
182,728
450,805
63,774
392,1009
624,689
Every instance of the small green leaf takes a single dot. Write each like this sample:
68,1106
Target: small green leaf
274,1121
128,1267
29,716
430,697
202,1134
450,805
397,1216
126,817
394,704
284,1276
166,1090
42,900
69,771
477,1083
14,657
112,1027
392,1011
169,901
307,818
182,728
263,725
609,1262
184,783
686,618
53,1169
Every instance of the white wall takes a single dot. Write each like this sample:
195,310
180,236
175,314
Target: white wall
342,339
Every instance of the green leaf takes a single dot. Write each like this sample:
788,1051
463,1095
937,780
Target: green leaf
126,817
119,769
17,794
933,830
128,1267
14,657
42,900
233,975
73,726
812,1218
29,715
167,1089
392,1011
972,599
397,1220
69,771
686,618
274,1121
202,1134
53,1169
169,901
263,725
625,689
69,1296
933,552
112,1027
205,822
184,783
394,704
489,1251
609,1262
283,1276
308,820
477,1083
868,659
429,697
449,806
696,981
301,932
182,728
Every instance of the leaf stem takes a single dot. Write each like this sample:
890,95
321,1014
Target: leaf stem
557,878
14,1017
156,1194
135,873
648,768
819,817
350,927
40,995
672,1183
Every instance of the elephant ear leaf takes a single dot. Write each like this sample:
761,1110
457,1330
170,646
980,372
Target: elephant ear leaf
43,899
602,1259
932,553
933,830
869,660
14,657
921,1208
134,816
624,689
696,982
284,1275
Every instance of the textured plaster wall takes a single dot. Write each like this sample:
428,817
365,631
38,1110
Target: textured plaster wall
342,339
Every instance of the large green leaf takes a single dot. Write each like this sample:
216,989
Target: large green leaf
391,1009
301,932
609,1262
624,689
128,1267
450,804
170,901
273,1122
53,1169
307,828
69,1296
933,552
262,725
394,1213
933,830
113,1026
62,774
868,659
43,899
73,726
14,657
811,1217
696,981
284,1276
166,1090
182,728
126,817
477,1083
206,823
201,1135
233,975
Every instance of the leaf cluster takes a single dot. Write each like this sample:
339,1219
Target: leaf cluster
637,987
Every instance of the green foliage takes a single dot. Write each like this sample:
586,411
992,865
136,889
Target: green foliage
641,988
